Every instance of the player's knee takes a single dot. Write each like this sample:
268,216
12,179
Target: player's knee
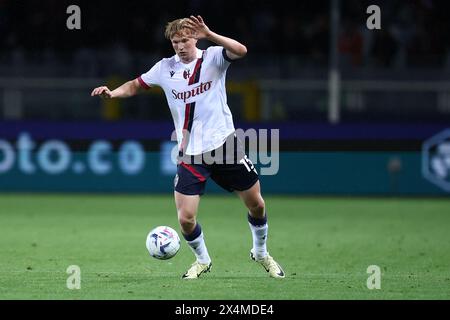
257,206
186,219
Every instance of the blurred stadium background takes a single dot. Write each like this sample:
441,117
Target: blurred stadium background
377,129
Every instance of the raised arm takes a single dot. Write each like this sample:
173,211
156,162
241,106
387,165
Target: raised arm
128,89
234,49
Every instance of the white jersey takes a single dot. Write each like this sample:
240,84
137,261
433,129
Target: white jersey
197,98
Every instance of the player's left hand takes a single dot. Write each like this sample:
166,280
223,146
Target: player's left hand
199,29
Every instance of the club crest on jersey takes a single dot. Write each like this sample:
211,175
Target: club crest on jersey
199,89
186,73
172,73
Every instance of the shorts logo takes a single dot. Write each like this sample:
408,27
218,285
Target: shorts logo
175,180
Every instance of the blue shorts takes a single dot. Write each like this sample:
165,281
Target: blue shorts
228,166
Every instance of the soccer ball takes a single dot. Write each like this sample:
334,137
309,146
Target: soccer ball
163,243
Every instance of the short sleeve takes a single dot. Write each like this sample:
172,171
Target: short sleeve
220,56
151,77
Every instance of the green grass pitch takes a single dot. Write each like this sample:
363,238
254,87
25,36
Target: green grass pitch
324,244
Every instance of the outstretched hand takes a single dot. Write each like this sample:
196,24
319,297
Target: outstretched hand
199,29
103,92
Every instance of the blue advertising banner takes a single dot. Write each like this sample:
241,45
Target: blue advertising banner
163,130
116,158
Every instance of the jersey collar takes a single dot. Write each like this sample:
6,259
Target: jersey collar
199,55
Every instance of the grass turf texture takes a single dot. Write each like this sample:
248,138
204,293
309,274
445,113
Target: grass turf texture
324,244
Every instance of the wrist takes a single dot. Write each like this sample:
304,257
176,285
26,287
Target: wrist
210,36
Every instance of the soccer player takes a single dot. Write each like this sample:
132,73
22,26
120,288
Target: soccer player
194,84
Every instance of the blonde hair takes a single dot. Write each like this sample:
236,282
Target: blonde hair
176,26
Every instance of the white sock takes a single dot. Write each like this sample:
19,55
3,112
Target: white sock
259,234
198,246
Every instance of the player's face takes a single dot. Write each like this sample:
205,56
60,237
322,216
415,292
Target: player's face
184,45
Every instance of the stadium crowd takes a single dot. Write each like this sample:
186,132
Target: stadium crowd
414,33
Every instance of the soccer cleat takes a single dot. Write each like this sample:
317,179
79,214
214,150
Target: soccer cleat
196,270
271,266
